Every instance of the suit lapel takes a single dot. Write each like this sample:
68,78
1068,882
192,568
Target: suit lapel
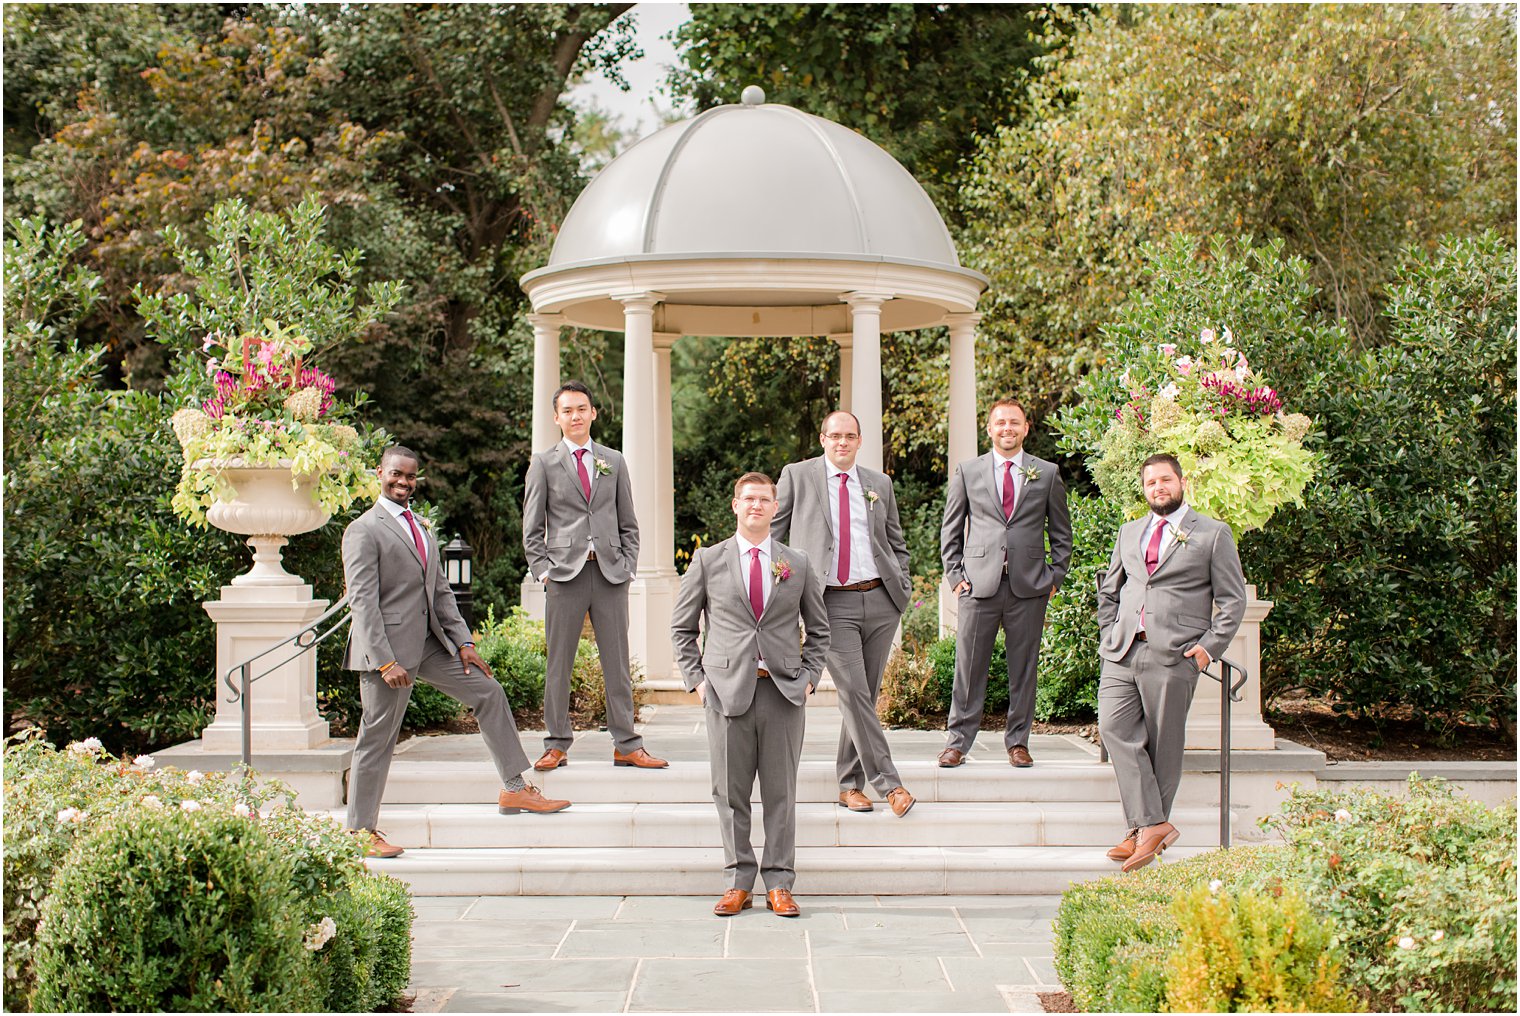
568,461
390,522
729,548
602,485
830,508
777,585
876,525
1030,462
982,489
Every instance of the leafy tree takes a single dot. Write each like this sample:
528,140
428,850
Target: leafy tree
1350,131
921,80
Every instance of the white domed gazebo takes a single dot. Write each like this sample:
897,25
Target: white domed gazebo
747,220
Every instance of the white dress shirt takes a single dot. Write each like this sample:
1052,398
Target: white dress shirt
396,510
862,557
999,469
765,574
590,460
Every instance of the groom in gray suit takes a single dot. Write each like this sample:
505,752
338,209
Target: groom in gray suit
582,541
999,510
405,625
844,517
754,680
1171,601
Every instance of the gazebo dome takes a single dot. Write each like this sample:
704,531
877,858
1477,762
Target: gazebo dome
754,180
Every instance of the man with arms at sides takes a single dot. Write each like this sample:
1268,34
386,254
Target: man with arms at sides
999,509
753,680
844,517
406,626
1158,629
582,541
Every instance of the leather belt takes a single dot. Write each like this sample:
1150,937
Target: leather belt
1140,635
854,587
761,672
591,556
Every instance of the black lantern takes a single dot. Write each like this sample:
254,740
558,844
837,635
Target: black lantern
457,558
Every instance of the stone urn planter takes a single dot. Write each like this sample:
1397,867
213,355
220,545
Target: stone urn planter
268,505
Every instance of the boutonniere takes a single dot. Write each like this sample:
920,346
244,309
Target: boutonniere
871,498
424,523
780,570
1180,538
1031,474
602,468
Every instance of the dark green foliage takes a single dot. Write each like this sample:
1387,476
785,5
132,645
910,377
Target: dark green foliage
164,911
1069,661
367,964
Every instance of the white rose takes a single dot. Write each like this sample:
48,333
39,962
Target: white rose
69,815
1342,815
190,805
152,801
193,777
1406,942
88,746
144,762
1216,885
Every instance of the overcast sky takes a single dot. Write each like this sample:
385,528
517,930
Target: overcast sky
635,108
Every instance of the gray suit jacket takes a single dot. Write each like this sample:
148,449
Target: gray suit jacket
1191,579
715,585
809,514
975,535
557,518
395,602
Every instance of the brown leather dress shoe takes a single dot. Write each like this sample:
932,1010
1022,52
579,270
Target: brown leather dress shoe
551,759
855,801
1018,757
900,800
732,902
1150,844
639,759
1122,850
951,757
379,848
510,802
780,903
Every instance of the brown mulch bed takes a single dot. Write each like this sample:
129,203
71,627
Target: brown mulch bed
1057,1001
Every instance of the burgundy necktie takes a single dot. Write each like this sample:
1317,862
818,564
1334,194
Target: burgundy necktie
756,592
844,529
1153,549
1008,491
416,536
580,467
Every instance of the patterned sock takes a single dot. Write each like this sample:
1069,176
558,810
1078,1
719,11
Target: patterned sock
517,783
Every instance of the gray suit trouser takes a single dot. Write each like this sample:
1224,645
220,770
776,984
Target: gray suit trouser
765,741
1023,622
385,706
566,605
861,626
1142,715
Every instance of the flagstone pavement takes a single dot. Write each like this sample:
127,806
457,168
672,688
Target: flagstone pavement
670,954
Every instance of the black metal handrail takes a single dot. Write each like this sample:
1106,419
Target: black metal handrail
305,640
1226,667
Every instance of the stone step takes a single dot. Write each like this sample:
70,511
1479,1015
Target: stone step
479,826
697,871
587,781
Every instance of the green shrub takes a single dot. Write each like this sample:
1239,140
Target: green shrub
514,650
920,622
1069,661
1253,952
1110,934
942,655
909,691
1421,888
173,911
46,791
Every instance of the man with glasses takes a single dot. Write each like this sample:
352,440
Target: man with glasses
844,517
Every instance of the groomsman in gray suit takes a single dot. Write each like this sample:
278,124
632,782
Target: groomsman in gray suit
844,517
1171,601
999,510
754,680
582,541
406,625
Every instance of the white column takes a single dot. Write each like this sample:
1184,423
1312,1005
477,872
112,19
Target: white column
846,346
646,430
865,372
545,380
663,532
1248,730
545,377
961,423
